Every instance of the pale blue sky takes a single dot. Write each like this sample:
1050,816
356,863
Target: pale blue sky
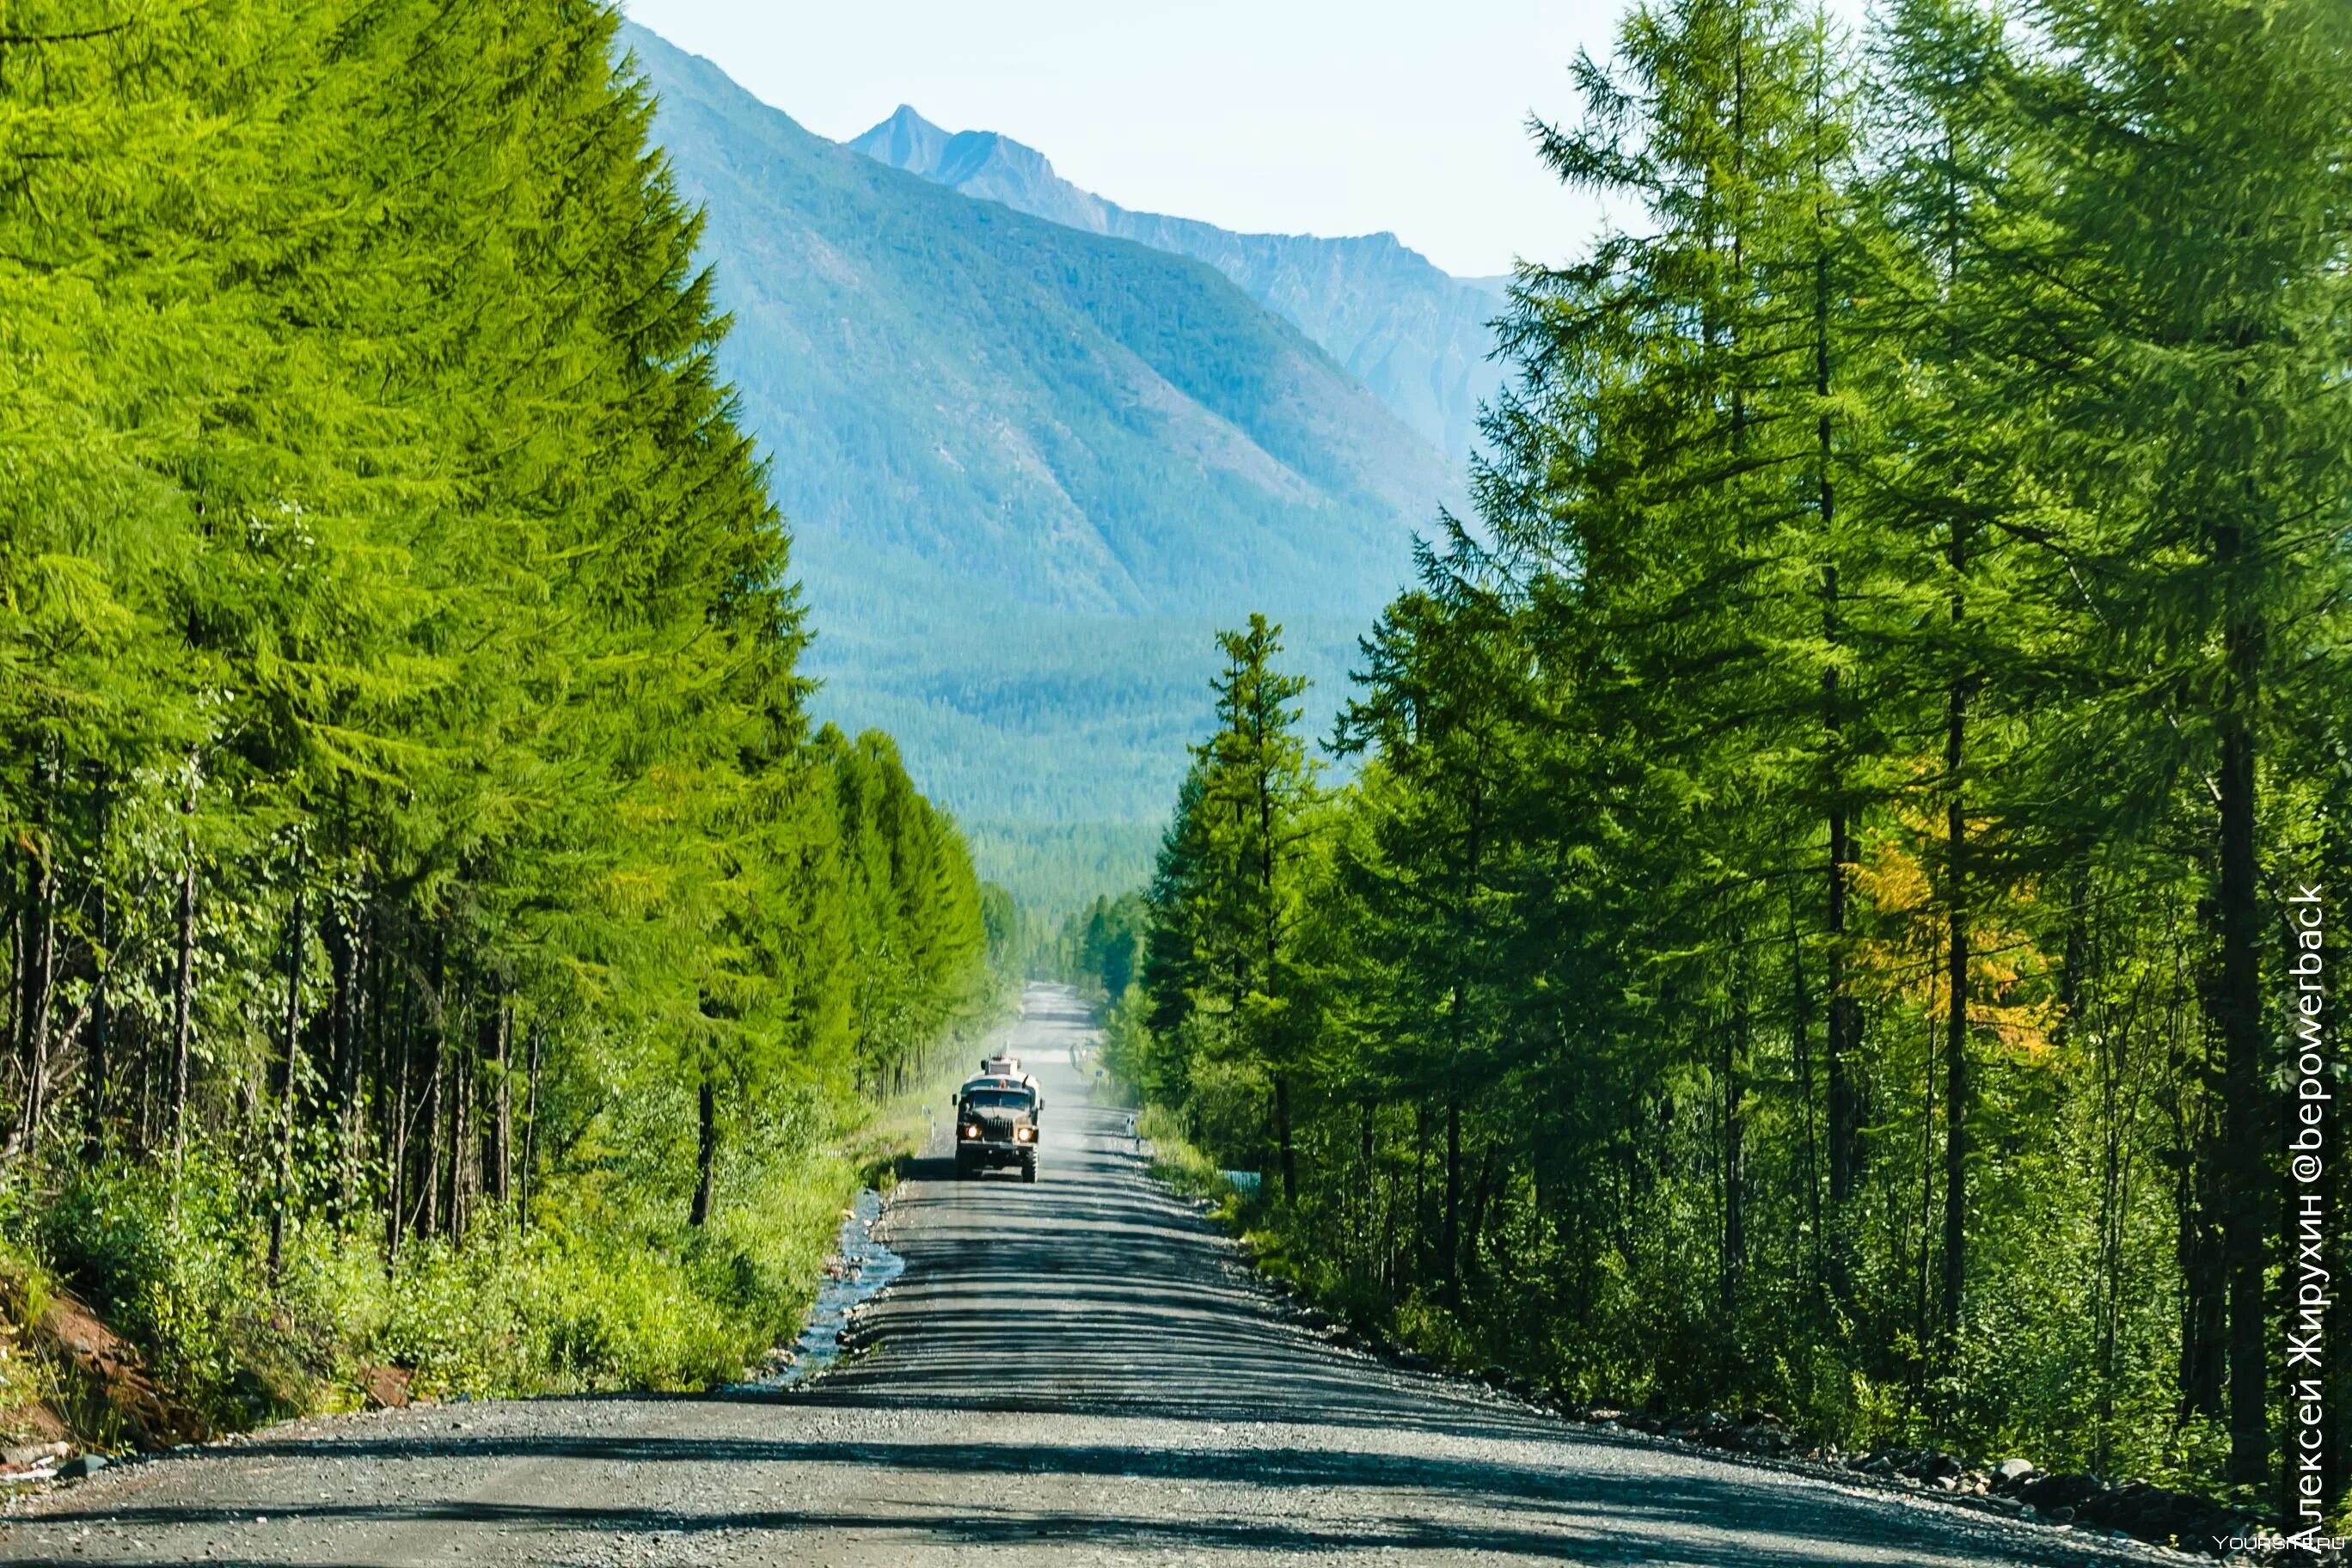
1295,116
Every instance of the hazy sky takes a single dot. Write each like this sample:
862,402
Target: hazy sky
1295,116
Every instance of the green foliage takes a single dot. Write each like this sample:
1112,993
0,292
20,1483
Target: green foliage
1184,1165
1806,927
1099,948
1237,868
178,1266
421,866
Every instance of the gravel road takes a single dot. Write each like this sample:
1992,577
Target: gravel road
1076,1371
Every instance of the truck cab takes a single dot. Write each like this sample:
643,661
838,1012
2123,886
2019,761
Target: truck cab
996,1125
1010,1067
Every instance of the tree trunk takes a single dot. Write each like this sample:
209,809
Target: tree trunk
20,906
1956,1031
1450,1245
706,1153
1800,1035
1286,1154
436,1087
1477,1177
1845,1027
96,1066
1734,1129
2252,1197
36,1009
502,1103
2199,1250
344,955
465,1148
396,1120
289,1080
1838,1055
530,1118
1419,1186
143,1123
184,983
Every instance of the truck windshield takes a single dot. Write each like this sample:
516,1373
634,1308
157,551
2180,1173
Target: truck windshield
997,1100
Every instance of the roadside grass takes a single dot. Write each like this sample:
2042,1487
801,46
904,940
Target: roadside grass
1186,1167
27,1385
607,1289
581,1301
1265,1229
899,1127
1826,1401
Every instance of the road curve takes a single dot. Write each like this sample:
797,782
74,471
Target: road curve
1076,1371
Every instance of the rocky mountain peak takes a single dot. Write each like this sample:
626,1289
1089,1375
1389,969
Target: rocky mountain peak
1419,338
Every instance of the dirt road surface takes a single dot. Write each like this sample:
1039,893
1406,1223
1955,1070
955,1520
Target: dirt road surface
1073,1372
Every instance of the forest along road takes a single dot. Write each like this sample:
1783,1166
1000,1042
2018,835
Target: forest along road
1076,1370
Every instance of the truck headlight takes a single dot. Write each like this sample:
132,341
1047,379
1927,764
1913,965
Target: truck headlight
1025,1134
971,1130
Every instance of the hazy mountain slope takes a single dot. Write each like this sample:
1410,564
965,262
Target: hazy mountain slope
1029,471
1416,336
1072,421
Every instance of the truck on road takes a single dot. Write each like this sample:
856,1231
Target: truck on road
996,1124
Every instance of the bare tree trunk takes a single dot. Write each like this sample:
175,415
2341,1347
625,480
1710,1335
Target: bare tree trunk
289,1080
184,983
501,1172
2252,1197
1450,1245
396,1131
39,951
531,1117
1956,1031
1843,1118
1845,1023
1735,1130
143,1118
706,1156
465,1155
1923,1333
1800,1038
96,1066
1285,1148
372,1014
436,1087
1420,1187
2197,1256
19,911
344,955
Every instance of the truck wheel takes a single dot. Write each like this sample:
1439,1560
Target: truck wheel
1029,1167
965,1169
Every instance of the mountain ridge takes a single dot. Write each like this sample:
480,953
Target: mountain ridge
1420,338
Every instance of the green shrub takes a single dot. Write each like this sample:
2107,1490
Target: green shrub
617,1292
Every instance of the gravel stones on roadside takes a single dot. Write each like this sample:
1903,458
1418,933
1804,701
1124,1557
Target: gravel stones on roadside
25,1456
2135,1508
